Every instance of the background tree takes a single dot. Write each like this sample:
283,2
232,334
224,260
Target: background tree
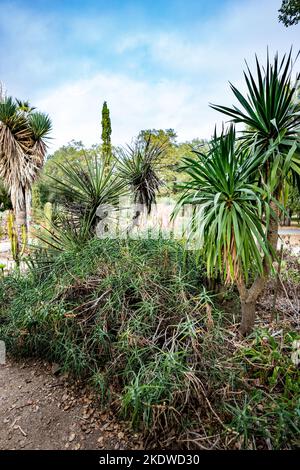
169,162
106,135
289,13
74,153
5,201
293,203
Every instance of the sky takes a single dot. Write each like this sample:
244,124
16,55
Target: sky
158,63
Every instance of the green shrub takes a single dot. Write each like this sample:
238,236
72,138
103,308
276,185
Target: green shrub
135,320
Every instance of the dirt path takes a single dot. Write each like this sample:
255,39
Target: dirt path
41,410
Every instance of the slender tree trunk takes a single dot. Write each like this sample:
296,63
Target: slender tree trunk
248,316
19,207
248,297
20,217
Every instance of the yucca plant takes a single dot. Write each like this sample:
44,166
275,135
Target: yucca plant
86,186
136,165
231,215
270,113
65,234
23,134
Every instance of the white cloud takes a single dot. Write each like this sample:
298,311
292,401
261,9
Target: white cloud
152,77
134,105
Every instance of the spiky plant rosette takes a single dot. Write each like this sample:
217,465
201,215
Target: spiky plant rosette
271,113
86,185
137,166
231,211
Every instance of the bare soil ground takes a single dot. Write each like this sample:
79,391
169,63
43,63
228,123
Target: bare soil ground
40,409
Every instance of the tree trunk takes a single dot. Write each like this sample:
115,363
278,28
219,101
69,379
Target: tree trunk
248,297
20,217
248,316
19,207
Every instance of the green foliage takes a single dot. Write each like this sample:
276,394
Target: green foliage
40,125
84,187
293,203
26,125
72,153
271,114
131,318
5,201
169,163
106,134
17,246
229,207
289,13
137,168
271,409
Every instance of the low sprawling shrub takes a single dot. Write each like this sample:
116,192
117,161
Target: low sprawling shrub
135,319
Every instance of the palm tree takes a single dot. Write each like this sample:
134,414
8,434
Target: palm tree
271,113
23,134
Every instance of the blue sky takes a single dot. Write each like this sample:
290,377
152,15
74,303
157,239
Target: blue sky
158,63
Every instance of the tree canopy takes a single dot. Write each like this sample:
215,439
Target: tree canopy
289,13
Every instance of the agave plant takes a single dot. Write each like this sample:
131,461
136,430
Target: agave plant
137,167
23,134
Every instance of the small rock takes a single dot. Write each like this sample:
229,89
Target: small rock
72,436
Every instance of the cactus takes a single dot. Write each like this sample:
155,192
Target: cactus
18,247
2,267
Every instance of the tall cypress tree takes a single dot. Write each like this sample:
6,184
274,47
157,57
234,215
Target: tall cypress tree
106,133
